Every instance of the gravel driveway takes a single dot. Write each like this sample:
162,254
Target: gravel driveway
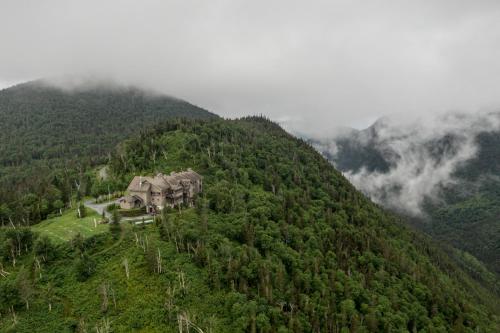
101,207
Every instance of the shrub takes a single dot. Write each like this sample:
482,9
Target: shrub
44,249
111,207
114,225
132,212
84,268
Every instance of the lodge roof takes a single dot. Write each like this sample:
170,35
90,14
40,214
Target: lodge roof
130,198
162,182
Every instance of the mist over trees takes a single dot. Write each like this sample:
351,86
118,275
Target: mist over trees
442,173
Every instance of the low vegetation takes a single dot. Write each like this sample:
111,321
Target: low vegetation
64,228
134,212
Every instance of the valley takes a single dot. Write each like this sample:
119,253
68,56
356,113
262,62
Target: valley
445,182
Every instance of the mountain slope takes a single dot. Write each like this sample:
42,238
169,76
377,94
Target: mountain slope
279,242
38,121
452,169
49,137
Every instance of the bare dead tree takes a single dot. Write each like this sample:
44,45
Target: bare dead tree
3,272
153,155
113,296
13,254
12,223
185,322
18,244
104,293
38,266
143,243
104,326
170,297
26,289
124,161
158,262
292,308
13,313
125,264
49,290
181,323
182,281
176,244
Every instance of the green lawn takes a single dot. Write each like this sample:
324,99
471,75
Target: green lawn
63,228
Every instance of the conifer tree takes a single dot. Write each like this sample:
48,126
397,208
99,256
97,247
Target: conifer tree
114,225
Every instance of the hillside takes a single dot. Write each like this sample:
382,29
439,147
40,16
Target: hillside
50,137
454,170
278,242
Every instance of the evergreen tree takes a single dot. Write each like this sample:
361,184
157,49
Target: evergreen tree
114,225
84,267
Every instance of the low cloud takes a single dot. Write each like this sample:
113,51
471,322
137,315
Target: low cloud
423,156
322,64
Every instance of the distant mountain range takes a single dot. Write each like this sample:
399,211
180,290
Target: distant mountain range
443,173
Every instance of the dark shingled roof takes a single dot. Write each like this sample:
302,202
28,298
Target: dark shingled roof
130,198
162,182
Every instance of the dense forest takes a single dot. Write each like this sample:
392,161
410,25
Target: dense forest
279,241
467,210
50,137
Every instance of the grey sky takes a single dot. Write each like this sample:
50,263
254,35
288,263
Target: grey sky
314,64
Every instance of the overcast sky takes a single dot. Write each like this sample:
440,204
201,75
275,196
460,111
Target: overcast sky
314,64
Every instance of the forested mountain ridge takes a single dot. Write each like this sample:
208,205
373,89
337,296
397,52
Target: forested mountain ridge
279,241
40,121
463,209
49,137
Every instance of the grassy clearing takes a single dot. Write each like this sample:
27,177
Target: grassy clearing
63,228
139,303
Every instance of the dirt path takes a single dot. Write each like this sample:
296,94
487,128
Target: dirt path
115,244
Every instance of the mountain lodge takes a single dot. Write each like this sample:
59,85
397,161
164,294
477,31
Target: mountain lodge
161,191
